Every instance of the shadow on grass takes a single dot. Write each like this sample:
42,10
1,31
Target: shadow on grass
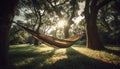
37,62
37,59
112,51
76,60
22,52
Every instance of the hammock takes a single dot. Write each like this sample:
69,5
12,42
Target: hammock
52,41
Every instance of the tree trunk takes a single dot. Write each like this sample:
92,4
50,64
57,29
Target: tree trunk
93,40
91,11
70,22
66,31
37,30
4,31
7,10
36,42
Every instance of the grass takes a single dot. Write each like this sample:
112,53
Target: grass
26,56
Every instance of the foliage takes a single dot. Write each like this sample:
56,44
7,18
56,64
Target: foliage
32,8
108,20
17,35
41,16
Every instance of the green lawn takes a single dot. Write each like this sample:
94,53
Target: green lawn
26,56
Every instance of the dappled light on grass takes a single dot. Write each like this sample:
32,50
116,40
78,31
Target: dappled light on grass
99,55
24,61
43,48
44,57
116,47
19,45
24,56
59,54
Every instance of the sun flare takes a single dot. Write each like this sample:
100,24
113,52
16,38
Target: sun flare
61,23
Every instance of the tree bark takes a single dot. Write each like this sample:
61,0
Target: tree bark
91,10
7,10
38,27
66,31
93,40
70,22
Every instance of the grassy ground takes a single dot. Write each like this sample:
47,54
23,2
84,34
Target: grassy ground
26,56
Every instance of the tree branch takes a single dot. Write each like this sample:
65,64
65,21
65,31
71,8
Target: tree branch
62,3
103,3
55,9
72,13
93,4
86,9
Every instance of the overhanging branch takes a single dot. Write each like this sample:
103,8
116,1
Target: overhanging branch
103,3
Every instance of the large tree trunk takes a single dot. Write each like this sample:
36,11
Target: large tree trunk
93,40
91,11
7,10
4,31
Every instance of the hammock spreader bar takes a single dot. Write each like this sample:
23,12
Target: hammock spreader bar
51,41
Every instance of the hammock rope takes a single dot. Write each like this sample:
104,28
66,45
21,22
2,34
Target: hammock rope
52,41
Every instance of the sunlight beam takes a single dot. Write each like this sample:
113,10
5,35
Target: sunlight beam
61,24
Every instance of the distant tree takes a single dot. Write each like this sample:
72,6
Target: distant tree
34,11
68,8
7,12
